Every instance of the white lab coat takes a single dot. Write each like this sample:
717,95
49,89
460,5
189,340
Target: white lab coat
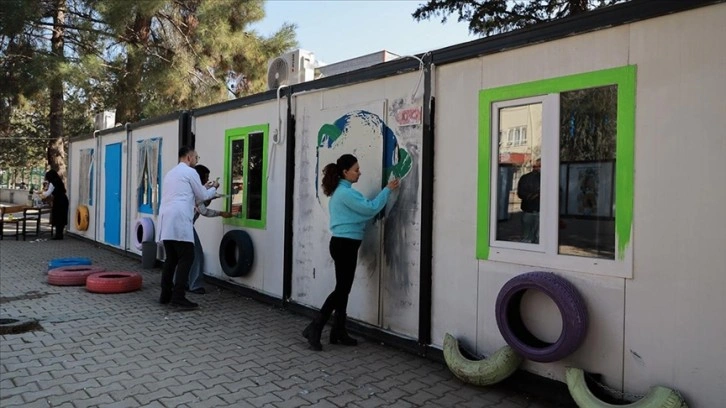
180,190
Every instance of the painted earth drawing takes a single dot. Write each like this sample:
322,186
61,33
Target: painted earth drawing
366,136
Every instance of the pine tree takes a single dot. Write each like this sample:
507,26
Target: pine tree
488,17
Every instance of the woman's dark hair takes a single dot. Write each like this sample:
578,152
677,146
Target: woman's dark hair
202,170
54,178
333,172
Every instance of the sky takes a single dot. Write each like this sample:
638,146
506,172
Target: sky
338,30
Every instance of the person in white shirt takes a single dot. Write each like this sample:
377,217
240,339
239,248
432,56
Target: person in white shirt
181,190
195,272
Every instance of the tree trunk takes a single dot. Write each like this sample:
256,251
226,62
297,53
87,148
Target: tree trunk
129,87
56,151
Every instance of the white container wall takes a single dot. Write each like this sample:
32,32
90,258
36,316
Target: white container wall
83,185
153,152
380,122
211,130
655,319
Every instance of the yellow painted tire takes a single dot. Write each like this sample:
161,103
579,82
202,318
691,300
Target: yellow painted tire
82,218
657,397
500,365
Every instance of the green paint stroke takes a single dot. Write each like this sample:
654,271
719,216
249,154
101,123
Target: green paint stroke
329,133
625,79
402,168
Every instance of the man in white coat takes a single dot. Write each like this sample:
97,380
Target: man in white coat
181,189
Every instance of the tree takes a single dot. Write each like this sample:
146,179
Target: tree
182,50
488,17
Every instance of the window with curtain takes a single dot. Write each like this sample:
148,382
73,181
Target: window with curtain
148,175
85,186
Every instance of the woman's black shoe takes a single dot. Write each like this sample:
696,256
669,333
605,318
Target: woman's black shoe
312,332
341,336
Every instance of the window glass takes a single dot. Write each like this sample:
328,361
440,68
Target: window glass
588,128
237,177
519,181
254,176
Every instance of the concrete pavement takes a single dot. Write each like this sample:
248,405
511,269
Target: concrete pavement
126,350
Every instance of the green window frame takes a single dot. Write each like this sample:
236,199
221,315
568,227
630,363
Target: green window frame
243,216
625,79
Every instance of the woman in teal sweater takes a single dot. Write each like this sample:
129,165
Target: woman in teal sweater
349,215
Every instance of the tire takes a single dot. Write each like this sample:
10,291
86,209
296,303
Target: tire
12,326
61,262
500,365
569,302
143,231
236,253
114,282
71,275
657,397
82,218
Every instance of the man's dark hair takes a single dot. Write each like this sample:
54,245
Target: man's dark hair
202,170
184,150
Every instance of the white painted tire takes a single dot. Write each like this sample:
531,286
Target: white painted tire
500,365
143,231
657,397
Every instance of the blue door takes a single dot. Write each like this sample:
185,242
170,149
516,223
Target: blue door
112,223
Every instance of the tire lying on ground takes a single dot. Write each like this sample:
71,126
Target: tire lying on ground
71,275
12,326
114,282
500,365
569,302
657,397
61,262
236,253
82,218
143,231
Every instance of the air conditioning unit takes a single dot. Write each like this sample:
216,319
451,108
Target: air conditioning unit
291,68
104,120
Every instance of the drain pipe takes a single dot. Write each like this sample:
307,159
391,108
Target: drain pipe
289,204
97,181
427,209
127,126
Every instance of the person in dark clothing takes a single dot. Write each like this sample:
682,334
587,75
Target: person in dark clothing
59,212
528,190
350,212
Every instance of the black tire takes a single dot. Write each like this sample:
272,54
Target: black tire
13,326
569,302
236,253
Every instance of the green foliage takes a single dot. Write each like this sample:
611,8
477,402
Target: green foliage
143,58
488,17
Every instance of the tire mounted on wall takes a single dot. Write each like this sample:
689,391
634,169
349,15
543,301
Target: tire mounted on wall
236,253
569,302
83,218
143,231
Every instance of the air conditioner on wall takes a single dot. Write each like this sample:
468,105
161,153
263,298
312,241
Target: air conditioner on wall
104,120
291,68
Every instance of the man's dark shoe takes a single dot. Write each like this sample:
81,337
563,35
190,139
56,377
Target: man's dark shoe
184,304
165,297
199,291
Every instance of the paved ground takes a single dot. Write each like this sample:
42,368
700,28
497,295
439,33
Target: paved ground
126,350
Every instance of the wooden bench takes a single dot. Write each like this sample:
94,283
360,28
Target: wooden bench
33,215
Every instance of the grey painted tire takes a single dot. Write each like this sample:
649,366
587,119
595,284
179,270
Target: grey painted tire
500,365
657,397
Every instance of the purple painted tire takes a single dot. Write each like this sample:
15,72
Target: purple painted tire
569,302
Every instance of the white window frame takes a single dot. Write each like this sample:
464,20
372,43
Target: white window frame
545,253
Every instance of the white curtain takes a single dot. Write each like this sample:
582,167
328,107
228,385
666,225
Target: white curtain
153,148
84,188
140,163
